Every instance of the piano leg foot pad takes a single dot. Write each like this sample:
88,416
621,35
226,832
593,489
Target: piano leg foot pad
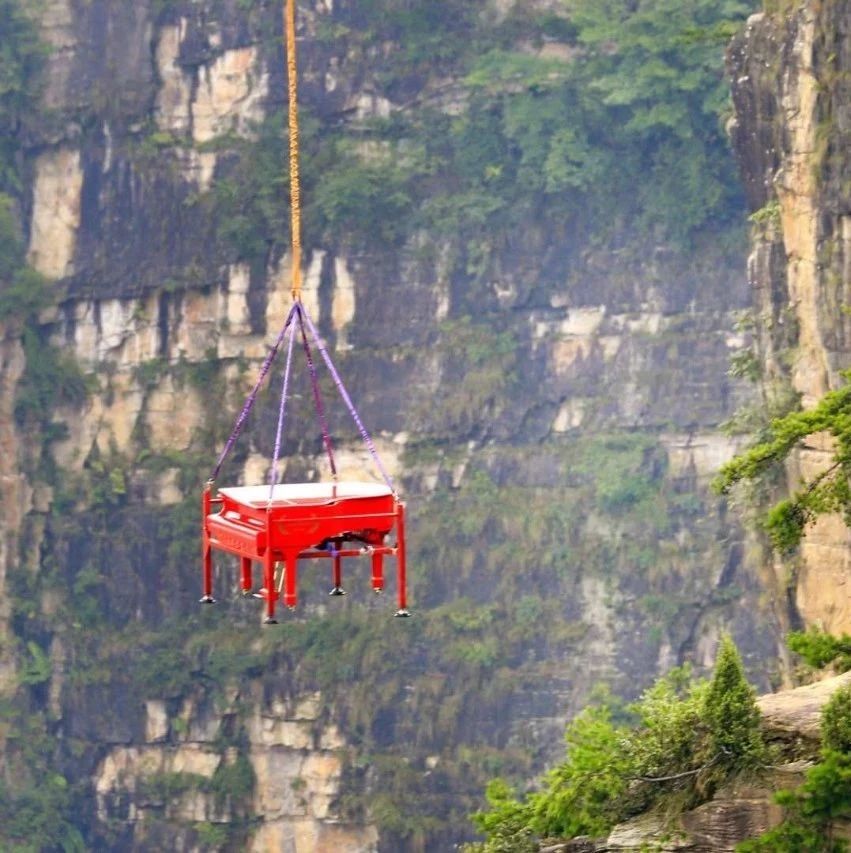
338,590
403,614
207,599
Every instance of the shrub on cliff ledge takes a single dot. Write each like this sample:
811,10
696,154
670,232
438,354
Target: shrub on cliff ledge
686,736
820,649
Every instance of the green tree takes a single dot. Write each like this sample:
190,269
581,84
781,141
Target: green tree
507,824
836,722
585,794
731,711
820,649
685,736
826,492
656,70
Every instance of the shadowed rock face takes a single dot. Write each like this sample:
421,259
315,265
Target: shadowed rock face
544,561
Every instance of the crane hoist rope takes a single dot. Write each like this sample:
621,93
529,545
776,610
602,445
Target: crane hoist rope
295,185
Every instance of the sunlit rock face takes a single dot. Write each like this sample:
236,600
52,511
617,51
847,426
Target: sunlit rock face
788,71
56,212
297,764
554,424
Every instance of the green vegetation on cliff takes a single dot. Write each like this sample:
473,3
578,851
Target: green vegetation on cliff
22,291
819,649
617,133
21,61
667,751
826,492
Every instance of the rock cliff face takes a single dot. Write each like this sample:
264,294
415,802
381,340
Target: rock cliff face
556,455
789,69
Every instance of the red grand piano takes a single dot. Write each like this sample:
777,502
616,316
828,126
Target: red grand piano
294,521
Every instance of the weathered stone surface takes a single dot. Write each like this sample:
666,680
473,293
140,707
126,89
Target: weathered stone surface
292,836
56,212
13,493
230,95
647,831
173,110
732,816
156,723
798,711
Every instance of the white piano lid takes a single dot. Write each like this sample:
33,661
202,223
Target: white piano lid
305,493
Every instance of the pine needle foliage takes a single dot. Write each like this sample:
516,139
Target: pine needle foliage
820,649
836,722
732,713
826,492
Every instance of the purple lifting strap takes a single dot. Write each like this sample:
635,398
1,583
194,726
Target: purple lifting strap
281,412
249,402
317,395
346,399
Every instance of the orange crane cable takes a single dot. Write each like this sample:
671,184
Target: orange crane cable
295,187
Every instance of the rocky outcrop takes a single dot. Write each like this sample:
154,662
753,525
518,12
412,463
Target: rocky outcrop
798,712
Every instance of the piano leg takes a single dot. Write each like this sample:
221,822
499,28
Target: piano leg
206,549
401,583
269,583
290,595
245,567
207,556
377,572
338,574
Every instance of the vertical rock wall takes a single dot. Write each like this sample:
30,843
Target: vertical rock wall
790,90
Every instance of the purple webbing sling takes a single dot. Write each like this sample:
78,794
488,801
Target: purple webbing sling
249,402
347,400
281,413
317,395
